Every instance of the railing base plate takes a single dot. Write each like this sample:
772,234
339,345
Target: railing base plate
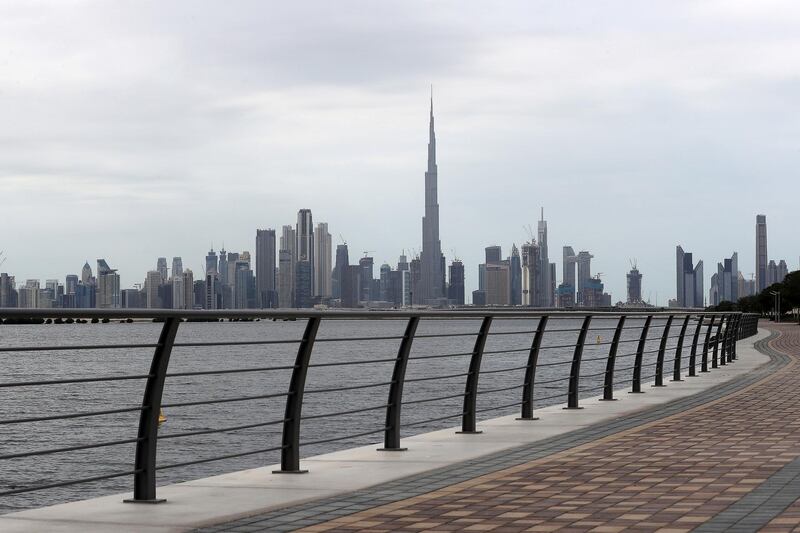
607,400
635,392
290,471
531,419
658,385
571,408
157,500
391,449
469,432
674,380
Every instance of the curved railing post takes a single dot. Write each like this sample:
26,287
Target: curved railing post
608,381
676,366
693,353
662,348
636,385
704,362
290,452
575,368
530,371
724,352
391,436
144,481
736,335
468,418
714,357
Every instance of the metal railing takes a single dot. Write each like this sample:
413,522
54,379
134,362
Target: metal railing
680,342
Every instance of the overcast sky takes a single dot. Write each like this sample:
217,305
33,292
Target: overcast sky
133,130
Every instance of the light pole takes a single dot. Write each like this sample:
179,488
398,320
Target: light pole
776,304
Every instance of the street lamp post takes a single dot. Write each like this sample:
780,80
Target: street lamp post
776,306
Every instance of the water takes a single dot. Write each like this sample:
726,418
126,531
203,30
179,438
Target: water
68,398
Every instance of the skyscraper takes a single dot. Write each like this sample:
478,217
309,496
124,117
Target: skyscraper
690,291
515,275
456,288
265,268
177,267
531,274
287,259
366,275
304,284
161,266
761,253
568,274
86,273
547,281
107,286
728,280
211,261
322,261
634,279
339,270
151,283
432,275
584,261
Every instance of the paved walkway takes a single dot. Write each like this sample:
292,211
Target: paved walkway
727,459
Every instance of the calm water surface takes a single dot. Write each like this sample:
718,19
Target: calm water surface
47,400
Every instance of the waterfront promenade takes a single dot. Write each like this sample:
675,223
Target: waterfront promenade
731,463
716,452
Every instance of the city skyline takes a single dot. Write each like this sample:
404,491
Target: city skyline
237,138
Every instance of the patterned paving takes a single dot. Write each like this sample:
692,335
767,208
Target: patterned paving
727,459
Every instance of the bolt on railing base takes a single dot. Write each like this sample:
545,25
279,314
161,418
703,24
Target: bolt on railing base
529,419
290,471
391,449
132,500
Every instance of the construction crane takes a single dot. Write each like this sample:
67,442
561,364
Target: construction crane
633,263
2,259
342,239
367,252
455,256
529,230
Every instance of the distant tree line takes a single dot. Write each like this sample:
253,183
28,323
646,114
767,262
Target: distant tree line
763,302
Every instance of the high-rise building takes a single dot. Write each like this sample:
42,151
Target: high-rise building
161,266
366,276
727,280
339,270
415,268
244,285
455,291
70,284
350,286
303,283
266,294
178,292
86,273
494,254
761,253
546,299
211,261
322,261
288,243
108,286
772,272
151,283
177,267
188,289
568,281
285,279
515,275
690,291
530,275
8,291
634,286
783,271
584,261
432,274
225,266
211,293
498,284
304,253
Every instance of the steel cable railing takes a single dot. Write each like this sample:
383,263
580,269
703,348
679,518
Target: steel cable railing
702,337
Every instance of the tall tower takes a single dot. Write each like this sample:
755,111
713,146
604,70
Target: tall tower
432,278
266,295
322,261
761,253
547,282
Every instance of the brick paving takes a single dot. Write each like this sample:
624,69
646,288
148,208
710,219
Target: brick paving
670,475
726,460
